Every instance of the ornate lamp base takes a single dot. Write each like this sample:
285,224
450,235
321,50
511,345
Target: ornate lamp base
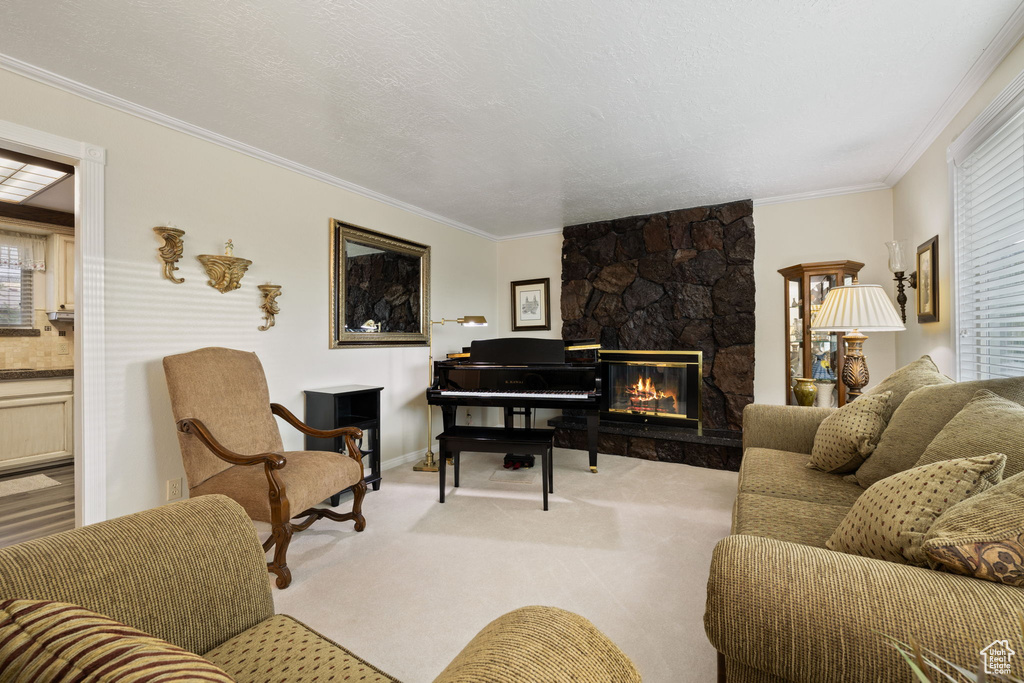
855,365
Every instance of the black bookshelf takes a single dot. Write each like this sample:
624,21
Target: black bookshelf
351,405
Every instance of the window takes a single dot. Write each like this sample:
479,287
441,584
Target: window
988,178
15,290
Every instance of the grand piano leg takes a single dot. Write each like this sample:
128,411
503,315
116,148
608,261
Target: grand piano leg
592,422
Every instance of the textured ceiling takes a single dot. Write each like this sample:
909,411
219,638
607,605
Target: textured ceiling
515,117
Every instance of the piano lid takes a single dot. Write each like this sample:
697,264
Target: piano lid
566,345
517,351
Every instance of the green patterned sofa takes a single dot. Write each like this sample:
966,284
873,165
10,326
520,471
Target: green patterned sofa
194,574
782,607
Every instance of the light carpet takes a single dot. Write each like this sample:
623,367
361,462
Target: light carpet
628,548
25,484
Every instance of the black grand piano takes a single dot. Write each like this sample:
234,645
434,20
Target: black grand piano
520,375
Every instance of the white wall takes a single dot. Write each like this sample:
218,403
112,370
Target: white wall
530,258
279,220
851,227
923,208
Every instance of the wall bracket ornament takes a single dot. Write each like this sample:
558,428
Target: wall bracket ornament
225,272
170,252
269,306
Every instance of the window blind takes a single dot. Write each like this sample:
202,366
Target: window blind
15,290
989,255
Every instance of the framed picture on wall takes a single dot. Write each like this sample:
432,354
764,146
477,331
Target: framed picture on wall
531,305
928,281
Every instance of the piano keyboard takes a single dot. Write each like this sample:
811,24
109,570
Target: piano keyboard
520,394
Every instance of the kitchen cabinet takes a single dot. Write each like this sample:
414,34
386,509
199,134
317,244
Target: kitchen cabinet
60,274
36,422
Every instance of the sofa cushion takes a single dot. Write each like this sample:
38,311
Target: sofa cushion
294,652
42,640
920,417
982,536
309,477
921,373
987,424
890,520
786,519
783,474
846,437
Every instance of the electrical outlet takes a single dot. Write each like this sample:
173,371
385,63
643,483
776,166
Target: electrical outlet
62,349
174,489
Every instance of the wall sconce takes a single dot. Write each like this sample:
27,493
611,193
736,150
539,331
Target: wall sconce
429,462
171,252
898,266
269,306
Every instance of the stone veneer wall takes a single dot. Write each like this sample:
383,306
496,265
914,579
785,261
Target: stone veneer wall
679,280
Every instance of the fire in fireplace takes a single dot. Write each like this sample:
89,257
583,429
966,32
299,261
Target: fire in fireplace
652,386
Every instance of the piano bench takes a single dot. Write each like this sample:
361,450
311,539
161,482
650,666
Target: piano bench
456,439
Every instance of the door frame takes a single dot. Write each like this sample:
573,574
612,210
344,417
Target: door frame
90,402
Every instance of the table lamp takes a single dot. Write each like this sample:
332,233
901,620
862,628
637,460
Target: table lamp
429,462
854,309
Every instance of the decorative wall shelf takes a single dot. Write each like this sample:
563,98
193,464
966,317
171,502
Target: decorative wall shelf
225,272
171,252
269,306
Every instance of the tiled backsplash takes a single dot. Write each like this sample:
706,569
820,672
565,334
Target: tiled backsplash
42,352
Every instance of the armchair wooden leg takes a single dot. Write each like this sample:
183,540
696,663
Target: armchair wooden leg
358,491
281,535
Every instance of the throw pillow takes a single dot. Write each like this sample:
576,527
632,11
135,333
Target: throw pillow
987,424
982,536
847,436
920,417
890,519
921,373
41,640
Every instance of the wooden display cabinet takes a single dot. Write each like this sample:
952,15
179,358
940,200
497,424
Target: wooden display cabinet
818,355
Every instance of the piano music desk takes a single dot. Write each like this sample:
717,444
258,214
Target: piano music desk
455,439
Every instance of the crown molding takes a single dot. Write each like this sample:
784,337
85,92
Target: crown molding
527,235
821,194
41,75
993,55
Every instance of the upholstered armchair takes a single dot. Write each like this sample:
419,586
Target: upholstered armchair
230,444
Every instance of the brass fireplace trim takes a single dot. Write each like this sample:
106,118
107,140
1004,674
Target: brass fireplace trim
699,362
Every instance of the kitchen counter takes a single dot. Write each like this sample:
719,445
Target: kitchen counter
35,374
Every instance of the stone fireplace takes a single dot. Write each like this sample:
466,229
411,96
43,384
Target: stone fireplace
678,280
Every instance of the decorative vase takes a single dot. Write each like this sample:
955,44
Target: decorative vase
826,388
805,391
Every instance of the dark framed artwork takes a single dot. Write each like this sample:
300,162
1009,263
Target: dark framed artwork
928,281
531,305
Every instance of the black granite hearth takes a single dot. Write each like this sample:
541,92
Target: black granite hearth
716,448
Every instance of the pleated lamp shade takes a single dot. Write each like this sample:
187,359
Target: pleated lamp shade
857,307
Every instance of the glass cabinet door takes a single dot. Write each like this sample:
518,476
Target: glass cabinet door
824,346
795,313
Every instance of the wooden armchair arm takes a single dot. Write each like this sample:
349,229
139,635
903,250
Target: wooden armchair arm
198,429
288,417
350,433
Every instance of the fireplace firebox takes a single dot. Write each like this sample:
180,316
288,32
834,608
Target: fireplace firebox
656,387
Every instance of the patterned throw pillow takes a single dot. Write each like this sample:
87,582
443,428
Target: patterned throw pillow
49,641
921,373
890,519
987,424
983,536
846,437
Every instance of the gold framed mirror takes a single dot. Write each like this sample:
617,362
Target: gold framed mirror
380,289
